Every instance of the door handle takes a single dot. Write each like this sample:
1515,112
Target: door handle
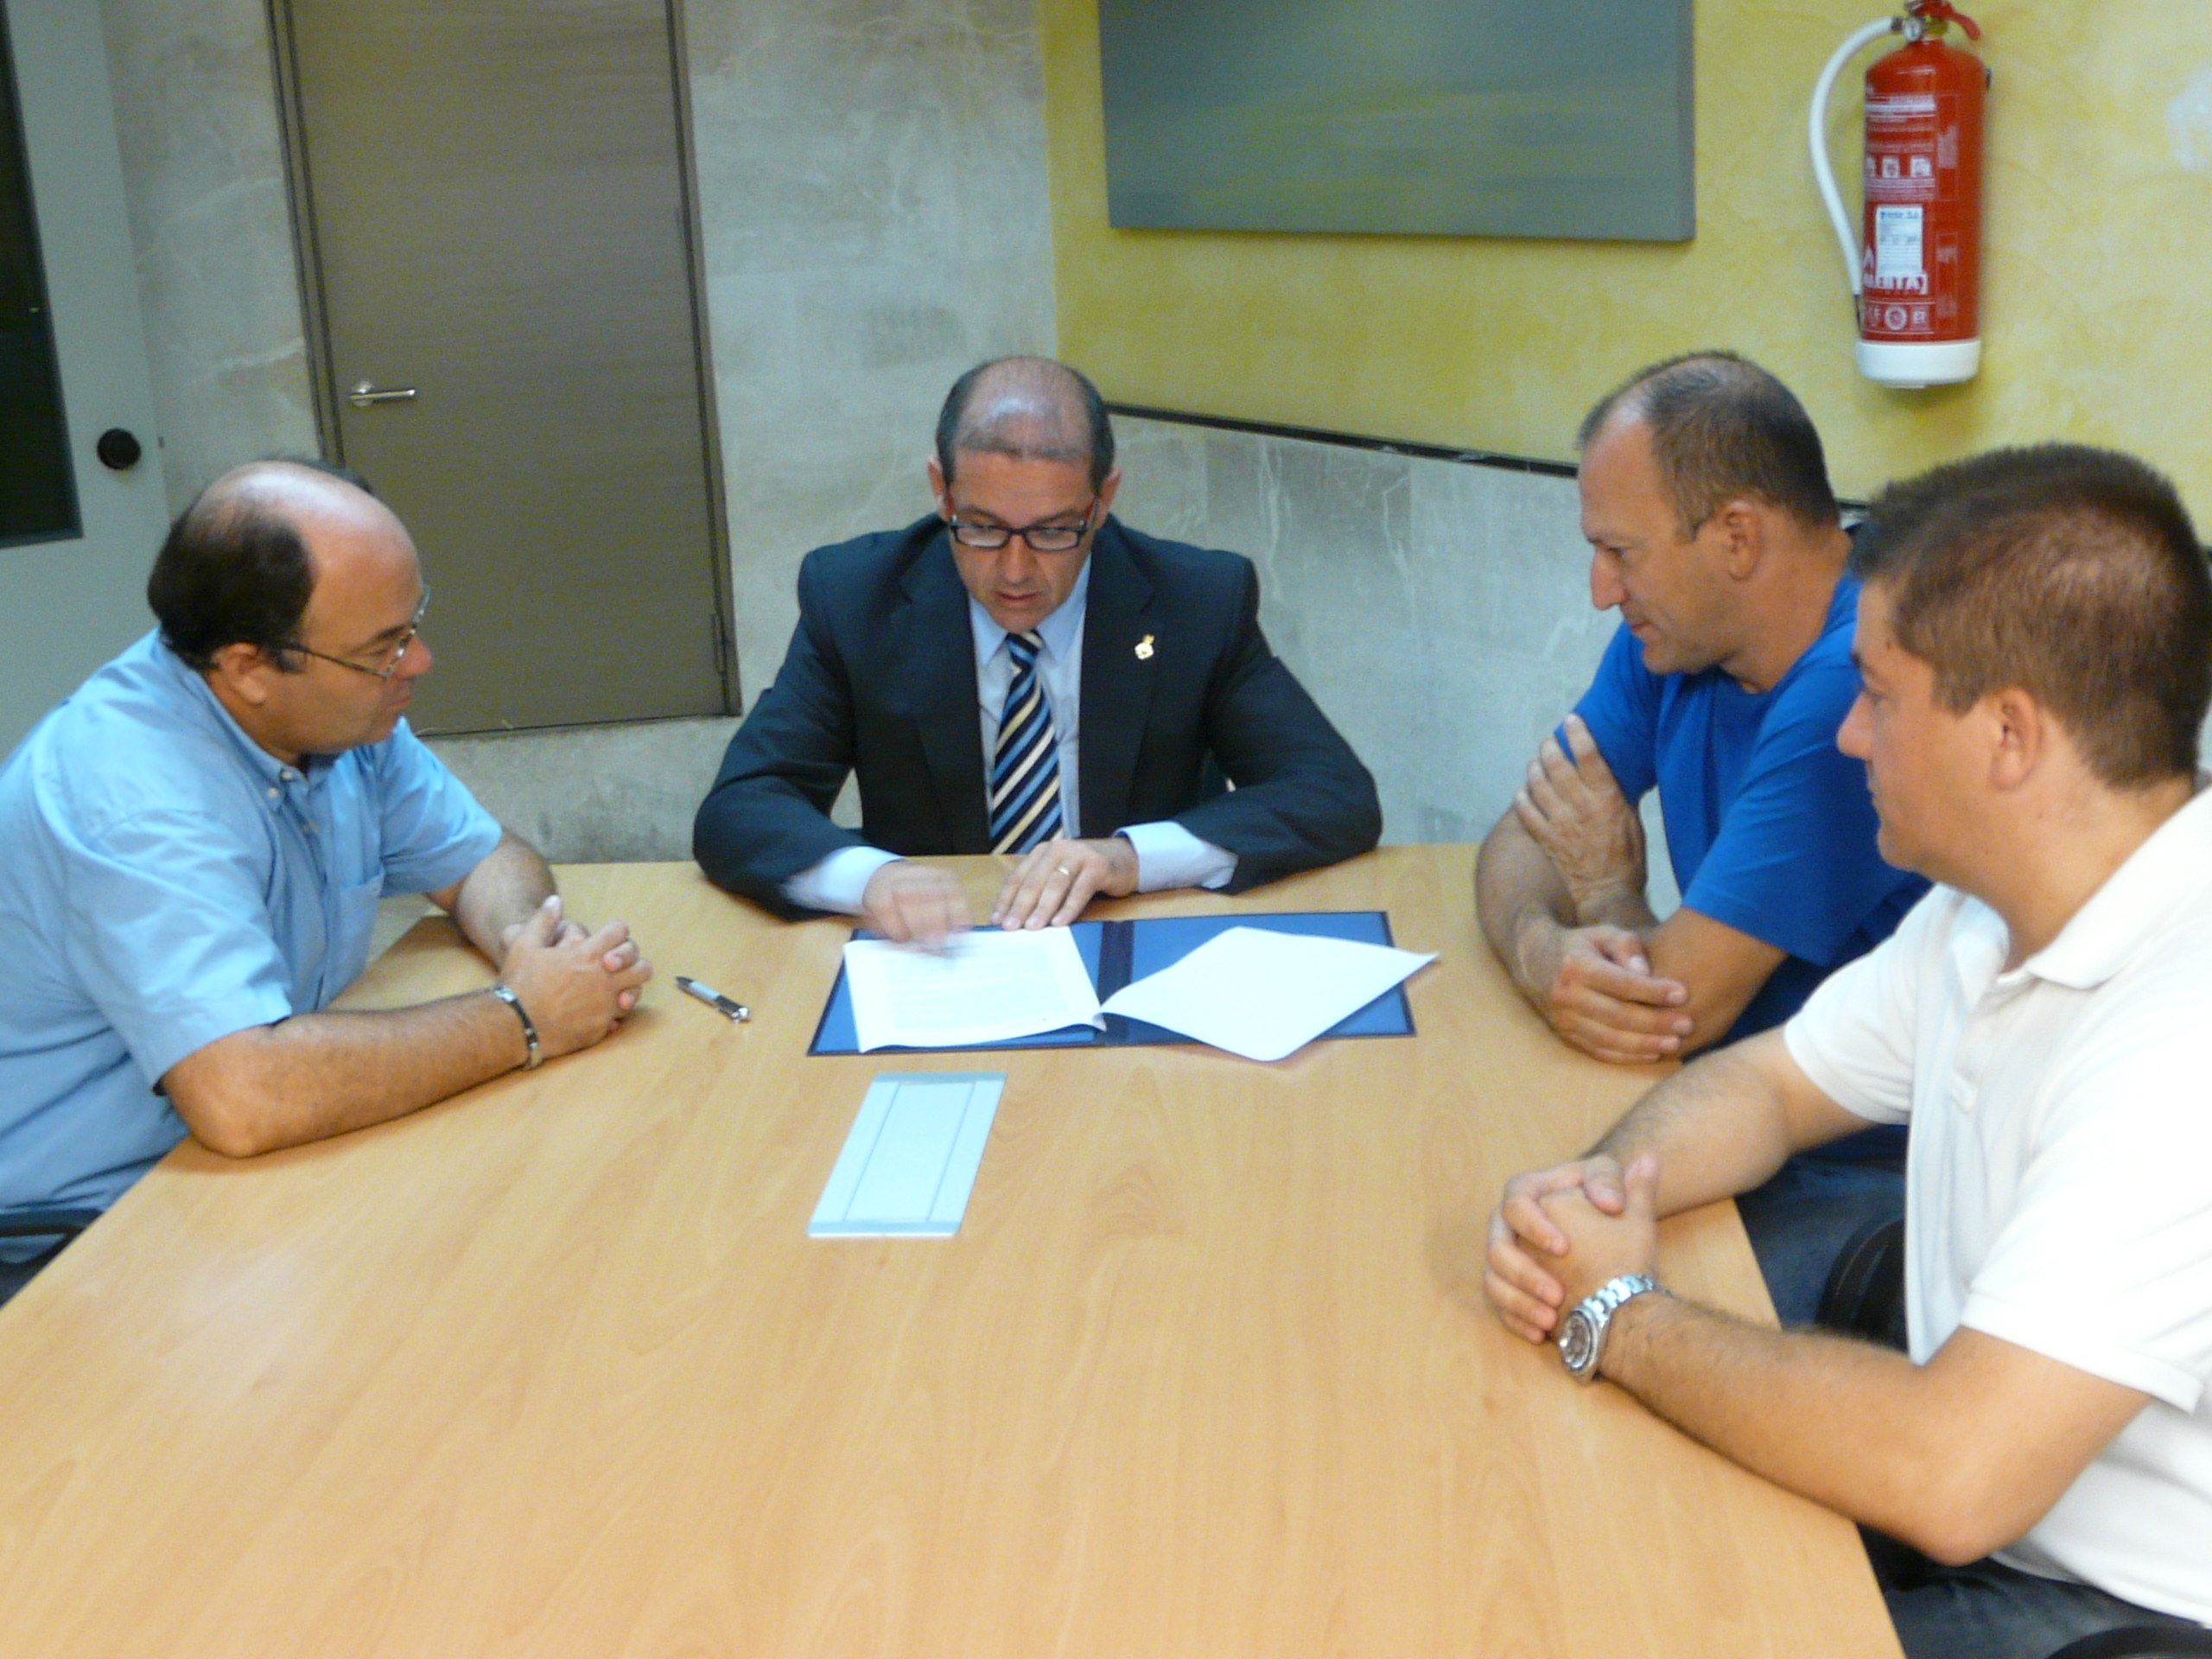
365,394
119,450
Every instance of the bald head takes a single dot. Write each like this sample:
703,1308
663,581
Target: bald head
1722,428
236,567
1030,408
289,488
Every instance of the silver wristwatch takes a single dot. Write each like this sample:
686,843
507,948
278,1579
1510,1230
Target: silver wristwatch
1582,1337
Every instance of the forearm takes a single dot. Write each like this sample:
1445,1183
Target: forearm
1845,1424
1518,890
753,833
495,899
1623,907
1720,1126
767,816
318,1075
1287,815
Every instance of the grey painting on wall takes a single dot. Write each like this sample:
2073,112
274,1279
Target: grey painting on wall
1453,117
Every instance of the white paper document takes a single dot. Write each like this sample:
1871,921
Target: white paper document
988,986
910,1158
1265,994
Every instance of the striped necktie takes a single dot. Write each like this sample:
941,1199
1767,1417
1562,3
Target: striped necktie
1025,772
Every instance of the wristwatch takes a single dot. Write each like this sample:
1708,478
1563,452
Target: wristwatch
1582,1337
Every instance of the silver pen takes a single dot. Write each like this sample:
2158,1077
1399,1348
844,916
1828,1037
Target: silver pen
713,998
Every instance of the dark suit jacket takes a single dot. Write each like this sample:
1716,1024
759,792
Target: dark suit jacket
880,677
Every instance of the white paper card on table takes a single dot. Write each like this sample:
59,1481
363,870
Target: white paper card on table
988,986
1265,994
910,1158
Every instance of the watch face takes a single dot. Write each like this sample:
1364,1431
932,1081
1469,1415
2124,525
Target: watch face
1577,1342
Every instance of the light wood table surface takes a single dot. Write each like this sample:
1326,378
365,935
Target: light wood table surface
554,1370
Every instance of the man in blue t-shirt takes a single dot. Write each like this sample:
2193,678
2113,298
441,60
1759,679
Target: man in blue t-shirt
1707,505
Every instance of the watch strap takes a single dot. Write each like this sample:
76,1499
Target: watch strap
505,993
1595,1314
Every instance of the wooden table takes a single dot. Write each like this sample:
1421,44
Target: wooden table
554,1368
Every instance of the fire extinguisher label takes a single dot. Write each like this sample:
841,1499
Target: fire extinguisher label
1917,249
1898,261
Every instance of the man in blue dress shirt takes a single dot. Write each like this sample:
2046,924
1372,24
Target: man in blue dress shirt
197,842
1712,528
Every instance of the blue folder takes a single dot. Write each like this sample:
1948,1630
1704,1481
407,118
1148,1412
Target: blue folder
1116,954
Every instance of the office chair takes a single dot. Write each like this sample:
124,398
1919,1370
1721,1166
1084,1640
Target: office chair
61,1225
2141,1641
1865,1294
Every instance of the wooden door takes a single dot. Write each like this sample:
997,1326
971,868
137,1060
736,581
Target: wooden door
497,209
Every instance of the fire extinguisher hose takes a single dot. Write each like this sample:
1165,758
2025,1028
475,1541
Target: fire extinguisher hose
1816,135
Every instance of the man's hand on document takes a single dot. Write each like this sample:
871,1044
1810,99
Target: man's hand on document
1052,885
915,904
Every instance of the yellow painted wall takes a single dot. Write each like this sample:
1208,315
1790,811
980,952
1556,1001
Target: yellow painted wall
2097,296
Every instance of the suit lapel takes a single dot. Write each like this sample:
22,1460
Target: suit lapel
1117,681
938,649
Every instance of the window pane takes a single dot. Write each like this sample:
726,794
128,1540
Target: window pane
38,499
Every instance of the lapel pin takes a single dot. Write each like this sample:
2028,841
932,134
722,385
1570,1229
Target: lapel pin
1144,649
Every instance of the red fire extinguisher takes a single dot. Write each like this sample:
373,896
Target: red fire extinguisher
1915,269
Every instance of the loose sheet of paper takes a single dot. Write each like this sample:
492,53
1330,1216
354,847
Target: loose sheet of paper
1265,994
988,986
910,1158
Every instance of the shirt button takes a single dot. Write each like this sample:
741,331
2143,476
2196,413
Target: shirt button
272,794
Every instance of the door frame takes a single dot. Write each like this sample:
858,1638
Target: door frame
322,372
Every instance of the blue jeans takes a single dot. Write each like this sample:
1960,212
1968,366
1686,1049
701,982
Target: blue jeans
15,1275
1800,1221
1988,1610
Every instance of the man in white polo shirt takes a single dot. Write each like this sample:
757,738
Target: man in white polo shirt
2034,640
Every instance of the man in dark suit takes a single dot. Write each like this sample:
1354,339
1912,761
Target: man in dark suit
1021,673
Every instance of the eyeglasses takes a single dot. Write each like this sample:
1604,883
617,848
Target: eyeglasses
390,665
1042,538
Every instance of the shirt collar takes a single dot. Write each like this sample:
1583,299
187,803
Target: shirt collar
2117,922
1057,631
1843,606
263,765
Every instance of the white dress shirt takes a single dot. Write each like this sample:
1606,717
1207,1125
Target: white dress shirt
2056,1191
1168,856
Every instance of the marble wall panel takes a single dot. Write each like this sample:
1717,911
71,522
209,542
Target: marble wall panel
203,172
829,385
875,217
595,794
863,131
1438,611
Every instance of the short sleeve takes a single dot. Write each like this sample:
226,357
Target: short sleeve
433,831
1795,863
169,933
2101,1265
1856,1036
1621,709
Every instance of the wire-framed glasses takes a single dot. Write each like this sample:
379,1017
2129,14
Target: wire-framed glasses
393,658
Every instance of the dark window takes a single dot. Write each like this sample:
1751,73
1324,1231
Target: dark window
38,497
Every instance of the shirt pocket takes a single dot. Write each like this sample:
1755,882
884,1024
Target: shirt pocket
352,929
